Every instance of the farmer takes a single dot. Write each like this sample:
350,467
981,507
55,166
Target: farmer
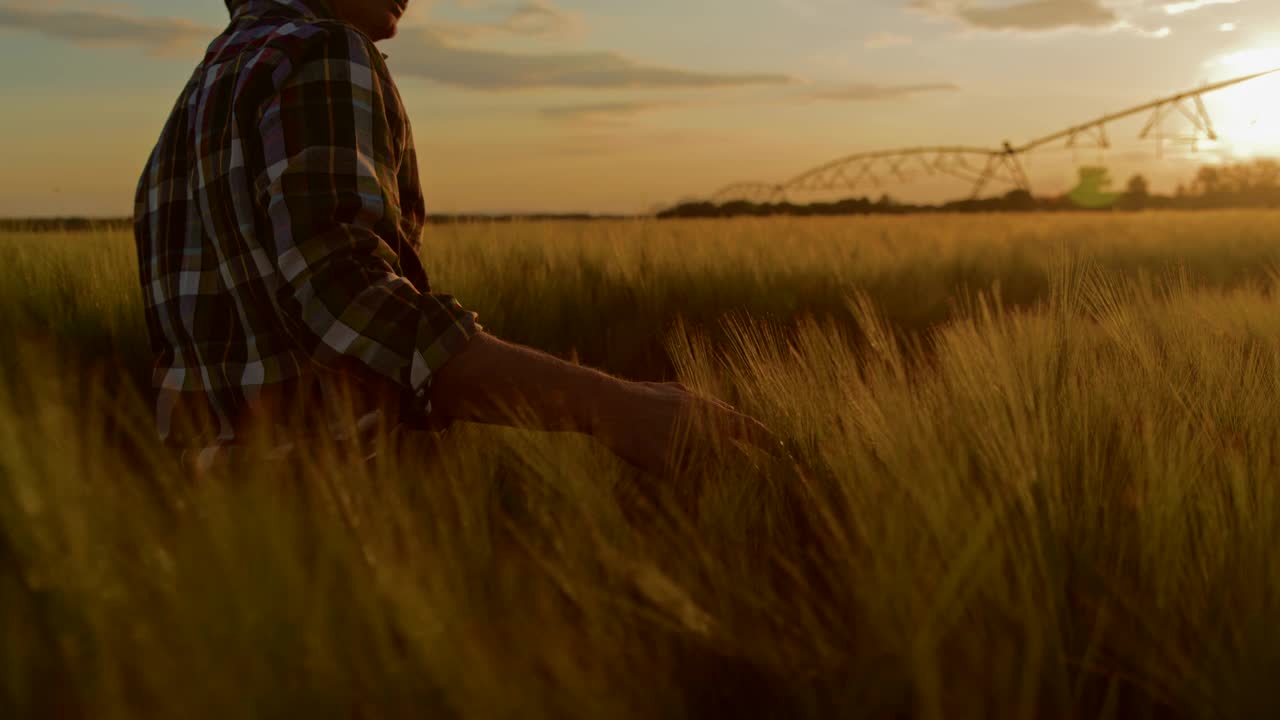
277,226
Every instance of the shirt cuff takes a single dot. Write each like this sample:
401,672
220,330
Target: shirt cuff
417,413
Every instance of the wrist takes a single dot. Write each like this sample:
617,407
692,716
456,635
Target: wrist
605,406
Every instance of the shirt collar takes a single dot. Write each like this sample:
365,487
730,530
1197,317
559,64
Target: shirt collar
307,8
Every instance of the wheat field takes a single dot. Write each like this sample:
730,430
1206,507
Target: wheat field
1029,473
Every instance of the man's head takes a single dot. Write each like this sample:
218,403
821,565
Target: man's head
375,18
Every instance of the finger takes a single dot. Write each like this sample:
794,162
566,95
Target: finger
719,404
744,428
707,414
678,386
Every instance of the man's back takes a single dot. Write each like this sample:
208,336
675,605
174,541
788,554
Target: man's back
277,224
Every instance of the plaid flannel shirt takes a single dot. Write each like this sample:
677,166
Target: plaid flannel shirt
278,222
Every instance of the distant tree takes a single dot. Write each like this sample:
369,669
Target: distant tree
1137,193
692,209
1017,200
1138,187
1208,181
1245,184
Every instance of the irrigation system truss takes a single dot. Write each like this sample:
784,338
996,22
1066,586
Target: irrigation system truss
985,166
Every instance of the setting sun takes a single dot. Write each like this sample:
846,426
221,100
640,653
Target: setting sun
1247,117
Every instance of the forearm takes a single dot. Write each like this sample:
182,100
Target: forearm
494,382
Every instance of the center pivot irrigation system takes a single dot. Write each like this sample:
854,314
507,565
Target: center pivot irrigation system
984,166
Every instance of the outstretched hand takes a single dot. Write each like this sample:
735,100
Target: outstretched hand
651,423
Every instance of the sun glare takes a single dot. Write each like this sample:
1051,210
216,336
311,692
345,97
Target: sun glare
1247,117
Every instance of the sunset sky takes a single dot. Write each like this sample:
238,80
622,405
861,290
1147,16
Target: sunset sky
625,105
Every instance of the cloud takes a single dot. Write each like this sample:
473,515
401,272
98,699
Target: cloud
540,19
882,40
425,53
617,113
1139,16
1030,15
1177,8
609,142
158,36
871,92
603,113
1159,33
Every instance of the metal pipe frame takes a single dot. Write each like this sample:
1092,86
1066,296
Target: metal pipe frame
1000,165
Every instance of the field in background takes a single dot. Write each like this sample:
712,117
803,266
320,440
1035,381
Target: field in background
1031,476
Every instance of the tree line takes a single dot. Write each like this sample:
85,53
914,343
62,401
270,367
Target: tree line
1246,184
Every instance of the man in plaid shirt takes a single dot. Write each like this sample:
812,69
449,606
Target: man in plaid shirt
278,223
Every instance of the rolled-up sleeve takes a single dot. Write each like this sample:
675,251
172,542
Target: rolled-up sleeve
328,188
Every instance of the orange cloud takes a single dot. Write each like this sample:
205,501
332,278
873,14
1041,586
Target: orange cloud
160,36
1026,15
426,53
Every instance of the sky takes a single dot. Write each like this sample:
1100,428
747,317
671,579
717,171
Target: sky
621,106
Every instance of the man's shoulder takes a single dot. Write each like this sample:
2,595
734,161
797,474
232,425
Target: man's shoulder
297,41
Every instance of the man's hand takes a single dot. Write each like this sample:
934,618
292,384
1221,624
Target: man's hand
648,423
491,381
